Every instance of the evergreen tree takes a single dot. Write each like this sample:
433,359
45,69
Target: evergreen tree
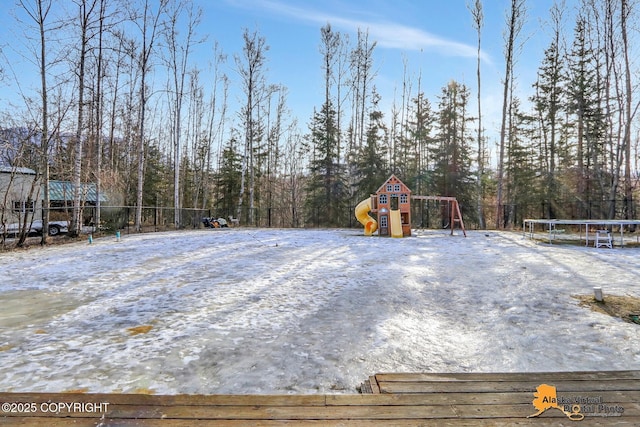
326,191
522,186
549,105
414,143
589,125
157,175
452,174
420,128
371,165
228,179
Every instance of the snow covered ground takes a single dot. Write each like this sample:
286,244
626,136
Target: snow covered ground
303,311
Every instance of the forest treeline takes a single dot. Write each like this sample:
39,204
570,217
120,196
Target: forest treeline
121,104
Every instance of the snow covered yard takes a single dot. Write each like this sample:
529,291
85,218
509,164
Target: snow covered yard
303,311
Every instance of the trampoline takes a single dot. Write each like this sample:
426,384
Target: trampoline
528,226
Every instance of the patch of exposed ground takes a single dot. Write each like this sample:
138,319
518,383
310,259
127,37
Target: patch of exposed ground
625,307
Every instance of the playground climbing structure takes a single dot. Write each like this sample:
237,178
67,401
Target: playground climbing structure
391,206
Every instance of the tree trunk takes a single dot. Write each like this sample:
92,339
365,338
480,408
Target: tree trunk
40,16
76,220
149,31
478,19
98,106
629,209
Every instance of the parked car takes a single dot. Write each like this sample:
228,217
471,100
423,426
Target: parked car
55,228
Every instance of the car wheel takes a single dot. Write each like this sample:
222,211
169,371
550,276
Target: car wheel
54,230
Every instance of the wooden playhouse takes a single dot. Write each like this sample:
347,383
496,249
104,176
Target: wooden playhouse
392,206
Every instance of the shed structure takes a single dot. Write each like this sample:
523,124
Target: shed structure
19,194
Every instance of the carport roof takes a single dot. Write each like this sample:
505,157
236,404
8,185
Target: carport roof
63,191
16,170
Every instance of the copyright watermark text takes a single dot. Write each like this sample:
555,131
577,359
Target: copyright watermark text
54,407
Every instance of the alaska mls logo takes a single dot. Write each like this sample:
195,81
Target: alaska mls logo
546,397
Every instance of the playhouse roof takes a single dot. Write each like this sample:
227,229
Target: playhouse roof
392,180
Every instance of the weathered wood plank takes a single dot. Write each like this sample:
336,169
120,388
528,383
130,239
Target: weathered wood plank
522,411
407,400
370,412
285,412
170,400
507,422
565,386
365,387
541,421
489,398
373,383
509,377
360,412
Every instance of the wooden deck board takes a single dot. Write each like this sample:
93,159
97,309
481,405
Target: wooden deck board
492,398
516,376
499,386
402,400
548,422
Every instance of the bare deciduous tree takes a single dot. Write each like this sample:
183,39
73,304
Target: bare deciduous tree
149,25
39,11
251,68
177,61
362,75
86,12
515,21
478,20
629,110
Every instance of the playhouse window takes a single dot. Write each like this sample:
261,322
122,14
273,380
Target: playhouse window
404,199
396,187
389,188
383,199
383,221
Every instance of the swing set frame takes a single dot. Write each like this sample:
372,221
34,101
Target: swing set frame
455,216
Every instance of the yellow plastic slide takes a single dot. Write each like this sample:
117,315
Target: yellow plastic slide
362,214
395,222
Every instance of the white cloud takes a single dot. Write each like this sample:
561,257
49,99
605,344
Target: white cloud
387,34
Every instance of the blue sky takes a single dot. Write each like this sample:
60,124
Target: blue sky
436,39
